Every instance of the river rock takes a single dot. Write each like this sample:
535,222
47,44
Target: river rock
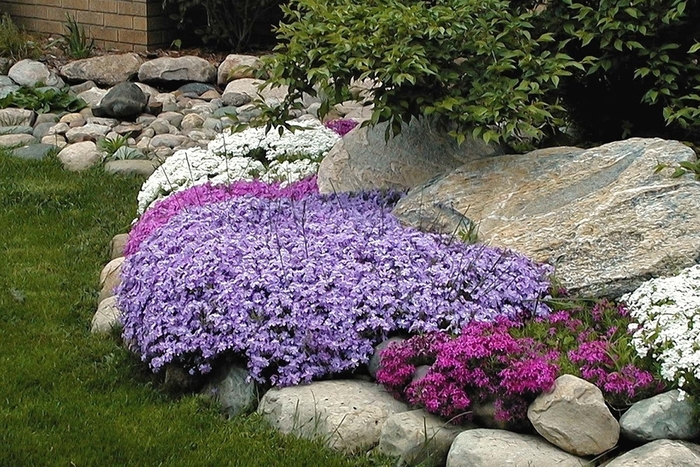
485,447
89,132
80,156
574,417
22,139
417,437
117,245
230,388
110,278
131,166
660,417
107,317
601,215
364,160
346,414
105,70
32,73
93,96
186,68
122,101
17,117
237,66
663,452
34,151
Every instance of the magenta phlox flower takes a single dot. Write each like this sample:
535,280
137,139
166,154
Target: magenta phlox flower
342,126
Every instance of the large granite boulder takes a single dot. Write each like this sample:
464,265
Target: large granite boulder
32,73
660,417
663,452
346,414
177,69
105,70
122,101
574,417
365,160
485,447
601,215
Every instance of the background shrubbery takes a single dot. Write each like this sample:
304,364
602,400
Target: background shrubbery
515,71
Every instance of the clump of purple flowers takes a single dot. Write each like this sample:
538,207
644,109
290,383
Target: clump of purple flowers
510,362
201,195
342,126
305,288
484,364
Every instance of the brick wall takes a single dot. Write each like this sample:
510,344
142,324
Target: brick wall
125,25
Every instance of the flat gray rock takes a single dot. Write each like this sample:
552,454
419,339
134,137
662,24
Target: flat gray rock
660,453
484,447
32,73
34,151
601,215
130,167
346,414
187,68
105,70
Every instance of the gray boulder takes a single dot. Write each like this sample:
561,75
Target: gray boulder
34,151
32,73
364,160
574,417
105,70
660,453
346,414
122,101
375,360
601,215
16,130
660,417
187,68
484,447
131,167
417,438
230,389
93,96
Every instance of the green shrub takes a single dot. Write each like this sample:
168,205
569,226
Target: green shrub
14,42
642,65
229,24
477,66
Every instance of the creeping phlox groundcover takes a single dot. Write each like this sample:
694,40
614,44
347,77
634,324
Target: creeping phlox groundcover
250,154
304,288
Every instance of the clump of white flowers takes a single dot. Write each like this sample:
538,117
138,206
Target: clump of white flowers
667,315
246,155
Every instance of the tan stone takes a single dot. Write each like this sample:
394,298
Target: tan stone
237,66
574,417
116,246
105,70
80,156
346,414
602,215
107,317
110,277
660,453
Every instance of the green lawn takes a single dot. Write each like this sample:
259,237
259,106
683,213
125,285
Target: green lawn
71,399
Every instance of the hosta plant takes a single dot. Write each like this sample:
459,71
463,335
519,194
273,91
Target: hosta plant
302,289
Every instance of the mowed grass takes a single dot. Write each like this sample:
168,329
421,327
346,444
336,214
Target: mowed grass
68,398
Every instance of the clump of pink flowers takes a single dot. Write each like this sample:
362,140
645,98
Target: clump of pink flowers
484,364
509,363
